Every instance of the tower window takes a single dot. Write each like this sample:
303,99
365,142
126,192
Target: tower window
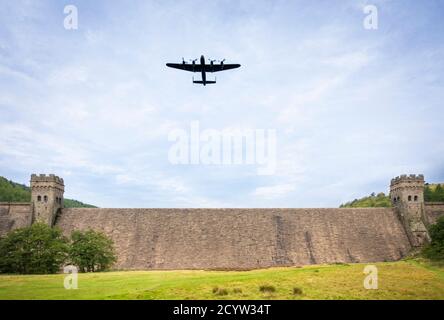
39,198
416,198
410,198
45,198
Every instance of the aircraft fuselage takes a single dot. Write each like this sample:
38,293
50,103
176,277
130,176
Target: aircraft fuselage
204,75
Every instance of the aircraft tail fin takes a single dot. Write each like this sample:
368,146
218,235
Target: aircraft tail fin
206,82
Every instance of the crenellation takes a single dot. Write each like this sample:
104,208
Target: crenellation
404,178
46,178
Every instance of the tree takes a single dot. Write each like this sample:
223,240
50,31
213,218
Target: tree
428,193
439,193
91,251
381,195
36,249
435,250
379,200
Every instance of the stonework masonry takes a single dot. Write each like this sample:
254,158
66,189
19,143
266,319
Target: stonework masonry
433,211
407,196
243,238
239,238
46,197
14,215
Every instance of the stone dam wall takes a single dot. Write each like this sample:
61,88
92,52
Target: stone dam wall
243,238
433,210
14,215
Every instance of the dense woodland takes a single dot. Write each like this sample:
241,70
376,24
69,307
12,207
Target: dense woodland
14,192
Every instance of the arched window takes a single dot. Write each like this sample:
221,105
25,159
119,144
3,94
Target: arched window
416,198
45,198
410,198
39,198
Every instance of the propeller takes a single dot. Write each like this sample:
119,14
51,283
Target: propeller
212,61
183,60
222,61
194,60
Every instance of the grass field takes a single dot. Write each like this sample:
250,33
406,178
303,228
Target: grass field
411,279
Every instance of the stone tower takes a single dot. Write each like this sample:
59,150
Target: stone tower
407,196
46,197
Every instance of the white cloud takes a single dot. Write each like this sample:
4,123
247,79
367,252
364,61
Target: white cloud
276,191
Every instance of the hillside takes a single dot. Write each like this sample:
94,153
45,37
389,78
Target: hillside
432,193
379,200
15,192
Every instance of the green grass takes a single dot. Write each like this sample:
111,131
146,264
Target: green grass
412,279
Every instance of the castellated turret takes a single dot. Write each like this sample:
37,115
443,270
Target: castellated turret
407,197
46,197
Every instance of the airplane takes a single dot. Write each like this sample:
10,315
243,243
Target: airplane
203,68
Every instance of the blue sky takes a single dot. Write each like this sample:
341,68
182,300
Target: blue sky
352,107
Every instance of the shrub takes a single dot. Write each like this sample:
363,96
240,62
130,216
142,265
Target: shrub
297,291
36,249
237,290
91,251
435,250
267,288
220,291
339,264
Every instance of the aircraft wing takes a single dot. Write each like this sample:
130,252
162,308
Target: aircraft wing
186,66
220,67
198,67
